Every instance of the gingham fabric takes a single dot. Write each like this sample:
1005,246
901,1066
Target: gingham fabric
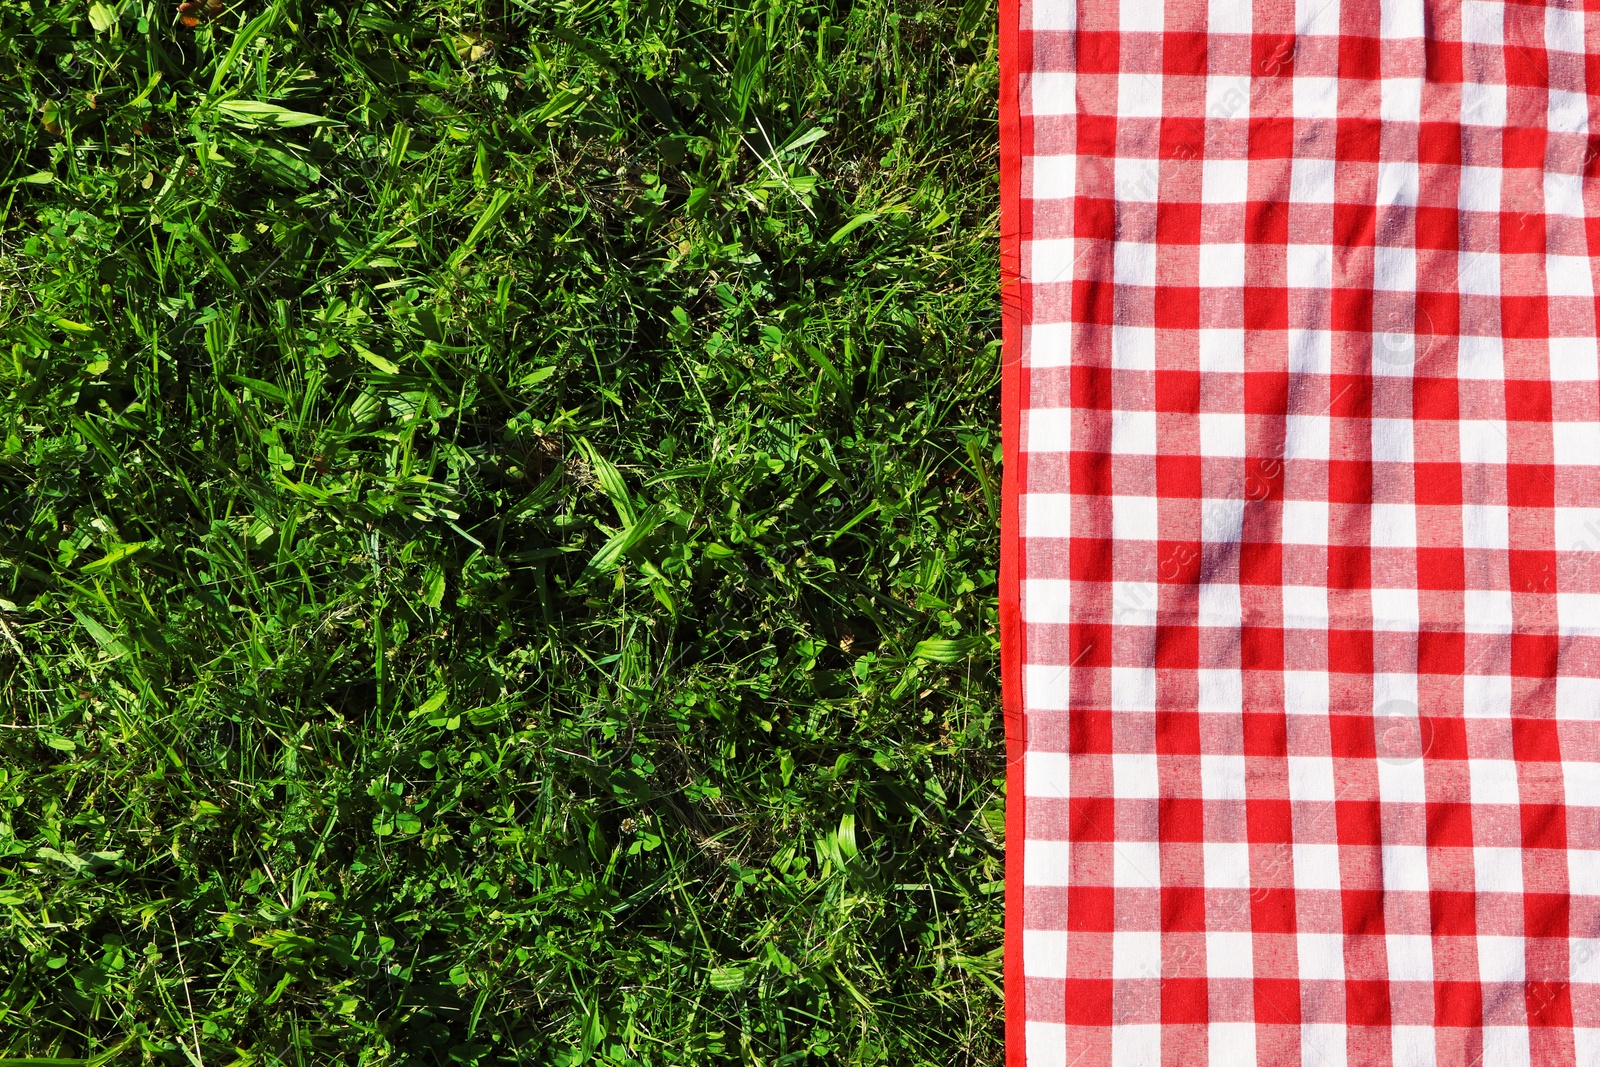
1301,594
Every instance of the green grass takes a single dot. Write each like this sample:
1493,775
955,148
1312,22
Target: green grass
497,534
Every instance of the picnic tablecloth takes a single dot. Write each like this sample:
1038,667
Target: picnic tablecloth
1300,592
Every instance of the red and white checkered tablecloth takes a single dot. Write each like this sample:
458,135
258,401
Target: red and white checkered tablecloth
1301,592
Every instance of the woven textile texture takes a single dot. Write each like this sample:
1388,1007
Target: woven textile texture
1301,594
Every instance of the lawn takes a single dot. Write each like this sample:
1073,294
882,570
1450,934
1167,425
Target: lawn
498,533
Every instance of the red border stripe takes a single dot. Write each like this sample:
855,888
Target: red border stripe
1011,638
